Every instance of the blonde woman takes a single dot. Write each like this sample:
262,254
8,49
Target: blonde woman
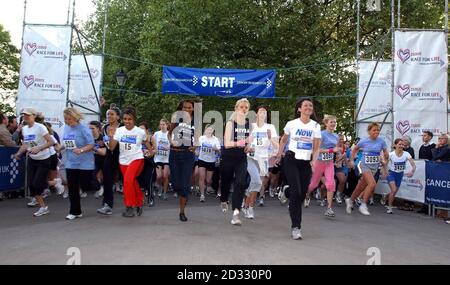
234,159
80,163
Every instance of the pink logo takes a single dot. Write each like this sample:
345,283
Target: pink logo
402,91
30,48
91,99
403,127
94,72
28,80
403,54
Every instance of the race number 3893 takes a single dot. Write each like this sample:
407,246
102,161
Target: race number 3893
231,274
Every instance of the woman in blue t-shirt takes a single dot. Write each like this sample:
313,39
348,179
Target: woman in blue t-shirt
368,165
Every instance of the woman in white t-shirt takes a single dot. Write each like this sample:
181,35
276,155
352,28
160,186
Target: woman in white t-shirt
304,144
264,141
131,159
161,150
36,141
397,165
209,146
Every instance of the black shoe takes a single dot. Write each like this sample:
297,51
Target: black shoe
183,217
129,212
139,211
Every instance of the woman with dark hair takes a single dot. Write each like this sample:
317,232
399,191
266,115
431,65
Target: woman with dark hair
131,158
304,143
111,162
234,159
182,137
209,146
161,150
99,155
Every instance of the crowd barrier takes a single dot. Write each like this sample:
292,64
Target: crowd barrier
12,171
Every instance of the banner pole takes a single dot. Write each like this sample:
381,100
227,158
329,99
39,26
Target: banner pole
358,11
105,24
23,23
68,12
393,64
70,53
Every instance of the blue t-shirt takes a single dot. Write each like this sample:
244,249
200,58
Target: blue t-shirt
78,137
371,150
329,140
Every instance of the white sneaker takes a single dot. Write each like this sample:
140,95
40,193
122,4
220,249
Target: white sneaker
33,203
251,213
338,198
323,202
296,233
363,210
42,211
383,199
59,187
261,201
46,193
349,205
73,217
389,210
245,211
307,202
371,201
65,194
83,194
271,192
99,193
236,221
329,213
175,195
224,206
202,198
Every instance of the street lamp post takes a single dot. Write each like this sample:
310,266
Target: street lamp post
121,78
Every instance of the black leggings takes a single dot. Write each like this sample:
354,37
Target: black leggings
298,175
233,165
37,172
75,179
110,171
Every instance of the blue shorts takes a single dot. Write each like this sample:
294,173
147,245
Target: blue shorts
395,177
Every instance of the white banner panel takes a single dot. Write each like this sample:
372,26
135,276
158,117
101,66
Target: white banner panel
386,133
420,80
88,118
44,63
51,109
412,188
408,123
80,89
378,98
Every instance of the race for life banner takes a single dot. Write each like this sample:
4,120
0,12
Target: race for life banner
81,91
51,109
378,98
12,171
412,188
414,123
219,82
44,63
438,184
420,80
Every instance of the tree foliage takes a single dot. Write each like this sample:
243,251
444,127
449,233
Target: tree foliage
292,36
9,69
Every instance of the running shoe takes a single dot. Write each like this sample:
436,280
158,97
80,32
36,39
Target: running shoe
323,202
83,194
271,192
73,217
338,198
224,206
202,198
245,211
105,210
46,193
296,233
358,201
129,212
236,221
65,194
251,213
389,210
383,199
371,201
363,210
42,211
307,202
261,201
139,211
99,193
349,205
329,213
33,203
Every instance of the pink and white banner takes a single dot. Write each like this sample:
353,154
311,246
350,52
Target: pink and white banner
378,98
420,84
44,63
81,91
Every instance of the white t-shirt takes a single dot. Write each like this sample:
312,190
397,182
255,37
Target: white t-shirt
261,141
162,147
396,163
301,137
34,136
207,154
130,142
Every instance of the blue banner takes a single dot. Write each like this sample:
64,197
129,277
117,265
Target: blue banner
219,82
12,172
437,185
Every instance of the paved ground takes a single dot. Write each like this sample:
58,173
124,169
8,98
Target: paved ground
158,237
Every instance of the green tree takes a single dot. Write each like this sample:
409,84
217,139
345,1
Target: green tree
9,69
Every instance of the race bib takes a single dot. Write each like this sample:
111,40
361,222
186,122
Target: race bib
69,142
326,156
372,158
162,151
399,166
260,138
30,140
128,143
304,145
206,148
106,141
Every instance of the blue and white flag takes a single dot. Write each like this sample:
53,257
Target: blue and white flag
219,82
